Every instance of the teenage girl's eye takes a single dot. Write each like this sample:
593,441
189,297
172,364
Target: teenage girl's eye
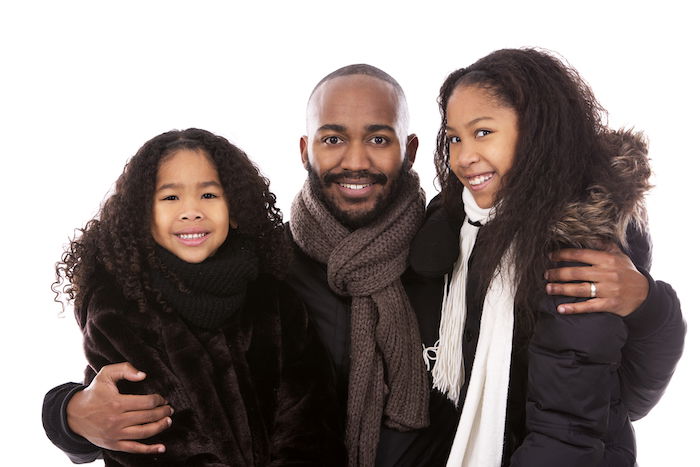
482,133
209,196
453,139
332,140
169,198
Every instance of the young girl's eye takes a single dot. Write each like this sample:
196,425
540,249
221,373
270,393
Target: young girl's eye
170,198
209,196
453,139
482,133
332,140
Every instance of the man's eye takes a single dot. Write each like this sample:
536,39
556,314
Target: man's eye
332,140
379,140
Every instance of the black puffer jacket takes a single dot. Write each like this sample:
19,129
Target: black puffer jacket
580,379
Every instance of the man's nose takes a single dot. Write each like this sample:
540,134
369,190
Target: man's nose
356,157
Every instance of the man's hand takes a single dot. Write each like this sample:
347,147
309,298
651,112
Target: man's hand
619,287
112,420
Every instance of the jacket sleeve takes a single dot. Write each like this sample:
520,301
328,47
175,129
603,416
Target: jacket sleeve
110,336
53,415
572,376
308,425
656,334
655,344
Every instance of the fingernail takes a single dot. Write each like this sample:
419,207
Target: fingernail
546,275
549,288
169,421
172,411
561,309
161,449
140,374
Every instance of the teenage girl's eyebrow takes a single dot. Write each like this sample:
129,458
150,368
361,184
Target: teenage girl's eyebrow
175,186
470,122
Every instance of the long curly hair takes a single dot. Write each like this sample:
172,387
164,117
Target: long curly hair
118,240
560,152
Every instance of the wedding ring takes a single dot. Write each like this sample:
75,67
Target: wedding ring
593,290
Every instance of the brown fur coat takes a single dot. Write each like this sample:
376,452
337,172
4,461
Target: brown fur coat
254,392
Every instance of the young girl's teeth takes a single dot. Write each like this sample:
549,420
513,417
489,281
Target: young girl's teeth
191,236
480,179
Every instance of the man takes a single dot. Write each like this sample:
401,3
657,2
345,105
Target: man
352,224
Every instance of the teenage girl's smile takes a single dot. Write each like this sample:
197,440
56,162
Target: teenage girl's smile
480,181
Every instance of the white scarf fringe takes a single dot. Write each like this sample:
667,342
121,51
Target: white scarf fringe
479,438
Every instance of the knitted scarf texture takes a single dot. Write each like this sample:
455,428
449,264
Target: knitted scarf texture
387,382
212,290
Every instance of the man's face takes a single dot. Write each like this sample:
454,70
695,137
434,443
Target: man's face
356,146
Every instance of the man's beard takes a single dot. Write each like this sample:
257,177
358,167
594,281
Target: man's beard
355,220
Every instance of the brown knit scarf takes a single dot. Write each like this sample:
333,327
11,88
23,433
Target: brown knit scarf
388,380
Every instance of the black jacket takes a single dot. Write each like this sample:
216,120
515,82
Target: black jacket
641,350
261,381
330,314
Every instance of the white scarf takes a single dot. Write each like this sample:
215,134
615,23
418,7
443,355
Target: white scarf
479,438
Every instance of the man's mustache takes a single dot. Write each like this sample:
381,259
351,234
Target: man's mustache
355,175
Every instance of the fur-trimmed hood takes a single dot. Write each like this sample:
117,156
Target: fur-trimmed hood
607,210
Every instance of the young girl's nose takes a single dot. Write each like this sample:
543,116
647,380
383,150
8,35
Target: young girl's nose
191,212
190,216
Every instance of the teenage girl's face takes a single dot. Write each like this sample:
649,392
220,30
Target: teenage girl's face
190,213
482,135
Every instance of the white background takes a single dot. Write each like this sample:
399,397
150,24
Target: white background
84,84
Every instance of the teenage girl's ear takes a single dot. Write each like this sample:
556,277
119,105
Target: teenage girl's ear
411,149
304,149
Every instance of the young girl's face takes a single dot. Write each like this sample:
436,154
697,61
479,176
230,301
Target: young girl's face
190,214
482,135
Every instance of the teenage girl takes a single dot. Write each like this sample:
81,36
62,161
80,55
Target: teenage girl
527,167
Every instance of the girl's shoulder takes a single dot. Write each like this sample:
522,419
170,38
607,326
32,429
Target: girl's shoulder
105,303
435,247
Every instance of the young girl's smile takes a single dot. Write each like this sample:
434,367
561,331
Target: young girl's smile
190,212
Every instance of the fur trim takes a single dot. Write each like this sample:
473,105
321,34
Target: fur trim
603,216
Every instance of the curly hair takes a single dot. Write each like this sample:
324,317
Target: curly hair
560,151
118,240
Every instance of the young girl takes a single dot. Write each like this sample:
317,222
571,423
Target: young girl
527,167
179,275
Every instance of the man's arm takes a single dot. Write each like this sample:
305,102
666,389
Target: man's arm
80,420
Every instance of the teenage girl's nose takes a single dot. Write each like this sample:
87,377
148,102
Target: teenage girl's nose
464,154
356,157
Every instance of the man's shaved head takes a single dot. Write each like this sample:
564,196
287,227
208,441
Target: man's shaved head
362,69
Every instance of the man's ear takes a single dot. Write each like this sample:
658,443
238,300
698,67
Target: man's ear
304,149
411,149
